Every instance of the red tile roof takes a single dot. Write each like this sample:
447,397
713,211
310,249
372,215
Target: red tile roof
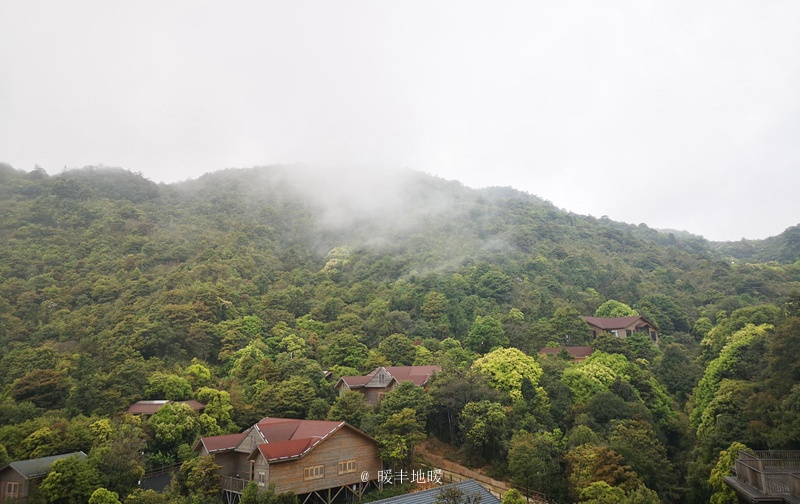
147,407
195,405
417,374
355,381
286,449
615,322
285,438
288,438
222,443
285,429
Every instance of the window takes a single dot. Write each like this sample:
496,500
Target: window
628,332
314,472
252,470
615,332
10,490
347,466
262,478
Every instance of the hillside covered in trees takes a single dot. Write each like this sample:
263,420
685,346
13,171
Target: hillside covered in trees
240,288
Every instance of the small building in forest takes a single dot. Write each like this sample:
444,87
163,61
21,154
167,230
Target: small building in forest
150,407
312,458
578,353
19,479
622,327
384,379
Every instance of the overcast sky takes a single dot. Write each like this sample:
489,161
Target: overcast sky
678,114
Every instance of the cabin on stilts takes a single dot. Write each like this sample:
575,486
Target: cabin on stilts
316,459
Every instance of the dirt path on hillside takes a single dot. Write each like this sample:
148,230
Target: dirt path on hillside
453,472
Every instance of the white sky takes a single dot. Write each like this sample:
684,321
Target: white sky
679,114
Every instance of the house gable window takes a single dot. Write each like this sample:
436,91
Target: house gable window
262,478
10,490
348,466
313,472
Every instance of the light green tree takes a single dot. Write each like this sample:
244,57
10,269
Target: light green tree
613,308
71,480
513,496
506,368
103,496
218,407
174,424
722,493
168,386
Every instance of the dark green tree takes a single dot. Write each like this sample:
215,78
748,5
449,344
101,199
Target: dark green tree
486,334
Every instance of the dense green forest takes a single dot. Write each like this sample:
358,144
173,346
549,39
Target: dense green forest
240,288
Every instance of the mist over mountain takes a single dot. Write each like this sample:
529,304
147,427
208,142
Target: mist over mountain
240,287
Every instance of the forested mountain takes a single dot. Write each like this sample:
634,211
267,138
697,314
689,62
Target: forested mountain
239,288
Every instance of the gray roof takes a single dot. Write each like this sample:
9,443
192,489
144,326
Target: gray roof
469,487
34,468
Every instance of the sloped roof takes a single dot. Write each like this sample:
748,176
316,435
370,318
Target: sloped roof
417,374
274,430
354,381
286,449
225,442
576,352
195,405
149,407
284,438
35,468
469,487
615,322
288,438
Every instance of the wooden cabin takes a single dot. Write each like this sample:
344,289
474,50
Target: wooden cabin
384,379
19,479
308,457
622,327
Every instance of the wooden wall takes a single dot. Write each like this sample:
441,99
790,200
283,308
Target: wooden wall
345,444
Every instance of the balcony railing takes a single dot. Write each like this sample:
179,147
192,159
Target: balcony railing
771,472
231,484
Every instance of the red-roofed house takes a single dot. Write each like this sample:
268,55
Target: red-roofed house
622,327
307,457
384,379
578,353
